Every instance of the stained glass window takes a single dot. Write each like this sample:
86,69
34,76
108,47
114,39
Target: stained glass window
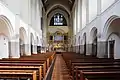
58,20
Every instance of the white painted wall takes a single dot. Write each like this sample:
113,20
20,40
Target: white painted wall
100,23
17,13
28,10
92,9
106,3
83,13
102,18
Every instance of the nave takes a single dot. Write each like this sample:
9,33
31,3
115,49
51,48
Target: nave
60,71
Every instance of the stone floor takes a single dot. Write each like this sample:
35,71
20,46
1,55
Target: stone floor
60,71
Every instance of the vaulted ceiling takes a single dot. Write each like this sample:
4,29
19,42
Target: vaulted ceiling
48,4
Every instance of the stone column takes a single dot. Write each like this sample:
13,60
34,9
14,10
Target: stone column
14,48
77,49
89,49
35,48
28,44
102,49
14,41
26,52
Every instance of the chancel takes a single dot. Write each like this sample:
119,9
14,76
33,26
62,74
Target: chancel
59,40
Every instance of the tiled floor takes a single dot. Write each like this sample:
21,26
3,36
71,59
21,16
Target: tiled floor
60,71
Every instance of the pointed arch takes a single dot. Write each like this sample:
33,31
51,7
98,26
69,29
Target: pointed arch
6,32
22,40
94,39
23,34
108,22
93,33
112,36
60,5
7,26
84,43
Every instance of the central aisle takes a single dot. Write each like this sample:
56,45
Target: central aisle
60,71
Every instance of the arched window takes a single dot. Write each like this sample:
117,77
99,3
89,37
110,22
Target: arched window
58,20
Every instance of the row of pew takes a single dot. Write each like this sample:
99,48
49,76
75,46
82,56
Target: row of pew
32,67
91,68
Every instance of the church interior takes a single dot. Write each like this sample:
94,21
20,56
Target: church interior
59,40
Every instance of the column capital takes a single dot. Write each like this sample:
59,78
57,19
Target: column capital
15,38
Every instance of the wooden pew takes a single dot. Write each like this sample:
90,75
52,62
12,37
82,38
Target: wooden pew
74,65
18,74
24,68
95,69
90,64
26,63
86,59
48,57
42,58
102,75
38,61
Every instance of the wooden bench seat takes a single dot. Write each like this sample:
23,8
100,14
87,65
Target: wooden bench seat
101,66
27,63
22,63
95,65
18,74
38,68
38,62
102,75
95,68
30,59
92,61
48,57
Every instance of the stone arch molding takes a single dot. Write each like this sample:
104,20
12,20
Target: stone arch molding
92,33
108,22
6,32
37,39
8,25
112,33
23,32
118,35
